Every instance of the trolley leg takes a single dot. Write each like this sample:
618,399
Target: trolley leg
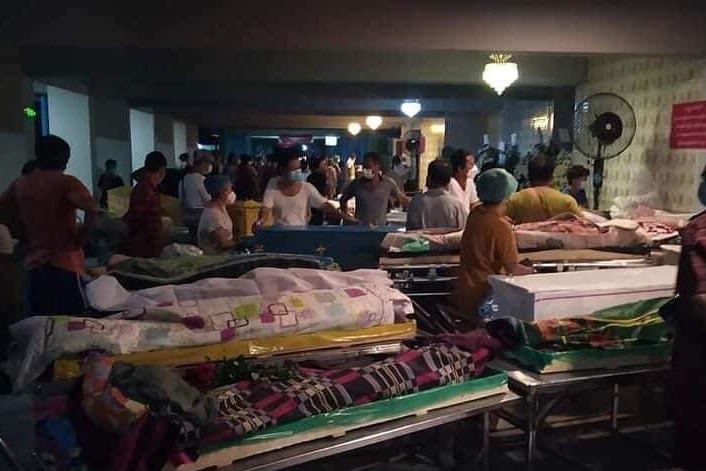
614,408
531,430
485,461
9,456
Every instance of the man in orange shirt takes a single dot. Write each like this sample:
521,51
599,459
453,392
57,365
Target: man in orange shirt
46,201
488,246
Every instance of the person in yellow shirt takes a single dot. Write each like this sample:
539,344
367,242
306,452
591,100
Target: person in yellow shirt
540,202
488,246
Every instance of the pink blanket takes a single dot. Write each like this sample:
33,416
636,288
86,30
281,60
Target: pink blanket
568,231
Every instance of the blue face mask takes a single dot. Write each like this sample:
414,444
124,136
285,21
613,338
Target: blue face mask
702,193
296,176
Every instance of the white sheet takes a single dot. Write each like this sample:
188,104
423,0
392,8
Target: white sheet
106,293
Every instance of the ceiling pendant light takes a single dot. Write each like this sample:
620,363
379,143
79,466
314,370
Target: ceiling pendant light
373,122
411,108
354,128
500,73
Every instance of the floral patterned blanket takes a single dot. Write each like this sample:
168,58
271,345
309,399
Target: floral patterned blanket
38,341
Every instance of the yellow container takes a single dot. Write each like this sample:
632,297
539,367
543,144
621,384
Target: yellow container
119,201
171,208
244,214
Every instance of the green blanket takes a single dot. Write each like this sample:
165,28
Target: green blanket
170,267
615,327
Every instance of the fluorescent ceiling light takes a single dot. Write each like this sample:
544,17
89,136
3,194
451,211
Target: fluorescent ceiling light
373,122
354,128
411,108
438,128
540,122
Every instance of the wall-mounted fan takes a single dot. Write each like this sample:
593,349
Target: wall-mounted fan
414,146
604,127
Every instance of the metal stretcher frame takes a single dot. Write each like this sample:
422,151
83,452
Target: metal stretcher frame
324,448
555,386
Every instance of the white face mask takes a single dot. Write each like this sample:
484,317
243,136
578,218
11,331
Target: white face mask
230,200
368,173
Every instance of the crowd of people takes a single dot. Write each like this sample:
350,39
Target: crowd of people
40,209
294,191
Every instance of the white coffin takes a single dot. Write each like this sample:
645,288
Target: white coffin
671,254
572,294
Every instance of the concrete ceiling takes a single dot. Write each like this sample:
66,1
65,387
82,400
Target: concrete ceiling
221,63
546,26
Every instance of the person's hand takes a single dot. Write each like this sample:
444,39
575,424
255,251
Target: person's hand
522,270
257,225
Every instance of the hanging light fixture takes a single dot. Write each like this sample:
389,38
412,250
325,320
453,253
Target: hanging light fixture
411,108
354,128
373,122
500,73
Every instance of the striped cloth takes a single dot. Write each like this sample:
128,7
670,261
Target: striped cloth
251,406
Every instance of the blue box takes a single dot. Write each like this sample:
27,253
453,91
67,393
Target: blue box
350,246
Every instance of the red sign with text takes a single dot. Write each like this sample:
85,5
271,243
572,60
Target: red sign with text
688,126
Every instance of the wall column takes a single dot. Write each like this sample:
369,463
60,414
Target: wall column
69,118
465,131
164,137
110,129
16,131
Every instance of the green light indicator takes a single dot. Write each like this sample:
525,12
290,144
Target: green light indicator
30,112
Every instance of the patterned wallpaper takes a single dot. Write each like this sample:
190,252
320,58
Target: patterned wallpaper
651,86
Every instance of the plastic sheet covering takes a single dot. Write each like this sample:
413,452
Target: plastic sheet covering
587,359
71,367
373,412
139,273
626,335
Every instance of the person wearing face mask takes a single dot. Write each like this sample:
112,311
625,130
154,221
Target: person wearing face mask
144,216
288,199
372,193
215,231
193,194
689,351
462,185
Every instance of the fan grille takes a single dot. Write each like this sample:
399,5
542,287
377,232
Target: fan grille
604,126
